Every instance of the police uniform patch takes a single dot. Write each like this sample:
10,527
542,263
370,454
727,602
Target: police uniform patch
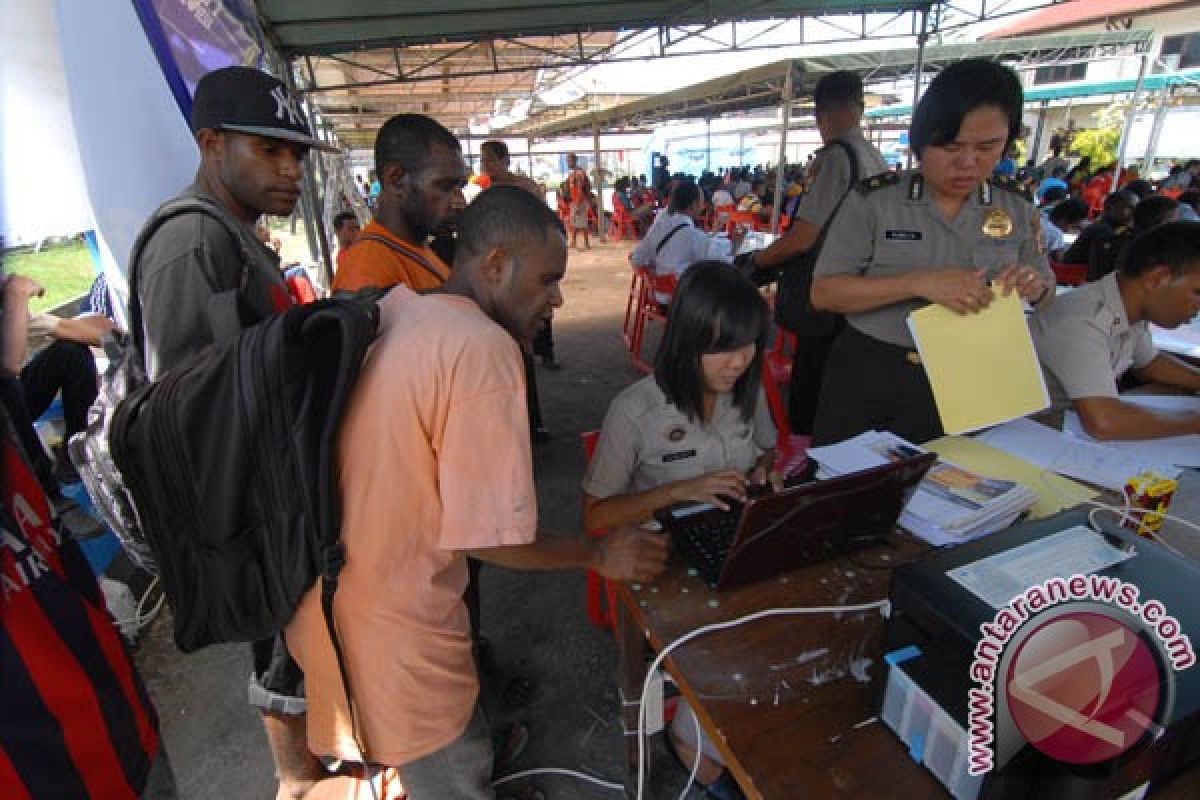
997,224
903,236
676,433
879,181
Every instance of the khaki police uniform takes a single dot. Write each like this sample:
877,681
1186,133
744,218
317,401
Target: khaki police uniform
647,442
891,226
833,175
1086,342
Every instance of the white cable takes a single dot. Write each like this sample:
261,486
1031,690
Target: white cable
616,787
140,620
1126,512
720,626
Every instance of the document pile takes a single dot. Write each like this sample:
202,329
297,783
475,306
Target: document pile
952,505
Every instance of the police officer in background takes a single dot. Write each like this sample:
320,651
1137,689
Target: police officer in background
845,158
936,234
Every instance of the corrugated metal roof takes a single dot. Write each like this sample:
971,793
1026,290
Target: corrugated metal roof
761,87
1065,91
1080,12
323,27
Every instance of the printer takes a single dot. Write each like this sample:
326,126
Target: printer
935,625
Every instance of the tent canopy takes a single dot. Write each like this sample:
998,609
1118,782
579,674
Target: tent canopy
1151,83
761,87
325,27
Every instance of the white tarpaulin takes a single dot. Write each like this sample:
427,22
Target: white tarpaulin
42,191
134,144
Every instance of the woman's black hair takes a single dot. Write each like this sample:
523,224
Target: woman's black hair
715,309
960,89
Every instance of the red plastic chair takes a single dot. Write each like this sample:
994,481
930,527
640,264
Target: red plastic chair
1069,274
649,310
601,597
622,224
777,373
720,217
744,218
1094,194
633,305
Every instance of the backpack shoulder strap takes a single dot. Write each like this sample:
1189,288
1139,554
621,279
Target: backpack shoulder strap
667,238
405,250
168,211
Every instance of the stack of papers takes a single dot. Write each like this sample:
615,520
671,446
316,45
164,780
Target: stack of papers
952,505
1098,464
1178,451
1055,493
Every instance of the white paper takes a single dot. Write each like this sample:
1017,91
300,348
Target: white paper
1184,340
1072,456
999,578
1181,451
949,511
1177,403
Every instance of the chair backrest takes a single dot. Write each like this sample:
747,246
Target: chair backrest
589,440
1069,274
664,284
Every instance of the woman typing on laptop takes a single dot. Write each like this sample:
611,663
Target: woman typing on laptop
696,430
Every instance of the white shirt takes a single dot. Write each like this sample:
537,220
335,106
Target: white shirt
1052,237
684,248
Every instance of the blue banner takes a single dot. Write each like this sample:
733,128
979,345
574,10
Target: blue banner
193,37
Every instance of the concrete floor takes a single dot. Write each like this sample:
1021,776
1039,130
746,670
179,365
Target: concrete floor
535,621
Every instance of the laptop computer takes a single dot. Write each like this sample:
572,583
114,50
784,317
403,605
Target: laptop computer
806,524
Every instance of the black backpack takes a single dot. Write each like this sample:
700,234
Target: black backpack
227,463
793,305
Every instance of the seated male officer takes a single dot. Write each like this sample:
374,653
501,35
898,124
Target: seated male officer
1088,338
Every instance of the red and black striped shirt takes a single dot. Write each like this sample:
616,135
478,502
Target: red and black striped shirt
75,719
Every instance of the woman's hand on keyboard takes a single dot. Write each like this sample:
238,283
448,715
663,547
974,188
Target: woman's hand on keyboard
716,488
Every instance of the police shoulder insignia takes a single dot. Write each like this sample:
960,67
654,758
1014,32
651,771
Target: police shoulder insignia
1011,185
889,178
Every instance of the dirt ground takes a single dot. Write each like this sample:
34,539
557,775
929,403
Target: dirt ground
534,621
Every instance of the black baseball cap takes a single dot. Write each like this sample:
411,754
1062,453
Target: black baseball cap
248,100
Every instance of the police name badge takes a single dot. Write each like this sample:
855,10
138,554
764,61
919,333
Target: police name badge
997,223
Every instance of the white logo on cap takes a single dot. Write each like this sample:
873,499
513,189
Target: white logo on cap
285,103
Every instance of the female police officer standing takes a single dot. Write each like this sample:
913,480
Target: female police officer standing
936,234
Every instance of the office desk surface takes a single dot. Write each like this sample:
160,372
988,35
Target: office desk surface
791,701
785,694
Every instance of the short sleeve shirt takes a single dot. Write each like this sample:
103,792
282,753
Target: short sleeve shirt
646,442
189,258
434,460
890,226
1086,342
372,263
830,174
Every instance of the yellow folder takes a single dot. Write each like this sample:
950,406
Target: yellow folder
1055,493
982,367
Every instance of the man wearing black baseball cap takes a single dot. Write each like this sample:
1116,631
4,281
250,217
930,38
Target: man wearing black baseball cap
253,140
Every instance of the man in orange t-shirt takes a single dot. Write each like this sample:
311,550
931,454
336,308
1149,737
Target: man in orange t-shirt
435,465
421,176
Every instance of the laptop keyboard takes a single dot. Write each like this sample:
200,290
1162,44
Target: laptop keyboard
706,540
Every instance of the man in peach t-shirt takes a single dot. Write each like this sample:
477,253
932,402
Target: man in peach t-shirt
435,465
